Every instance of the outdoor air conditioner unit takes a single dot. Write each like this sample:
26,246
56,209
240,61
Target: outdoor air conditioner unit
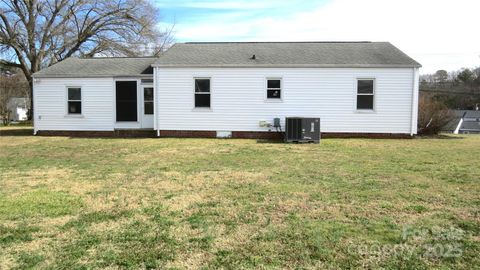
302,129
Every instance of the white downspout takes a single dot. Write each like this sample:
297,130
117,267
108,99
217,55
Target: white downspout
413,124
155,97
34,116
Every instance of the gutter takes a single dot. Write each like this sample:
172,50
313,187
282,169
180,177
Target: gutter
42,76
282,66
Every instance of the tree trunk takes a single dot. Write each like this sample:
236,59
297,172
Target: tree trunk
30,111
28,75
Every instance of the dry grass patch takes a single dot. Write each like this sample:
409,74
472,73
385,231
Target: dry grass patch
77,203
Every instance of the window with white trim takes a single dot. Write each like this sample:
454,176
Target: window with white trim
202,92
148,100
365,94
274,88
74,102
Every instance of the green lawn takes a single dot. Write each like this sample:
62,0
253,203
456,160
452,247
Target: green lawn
215,203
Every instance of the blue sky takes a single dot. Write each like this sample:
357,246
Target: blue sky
221,15
437,33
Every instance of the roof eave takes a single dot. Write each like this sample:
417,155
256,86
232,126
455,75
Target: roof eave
289,66
89,76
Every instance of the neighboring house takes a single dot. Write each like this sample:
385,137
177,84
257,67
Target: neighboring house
18,109
227,88
465,122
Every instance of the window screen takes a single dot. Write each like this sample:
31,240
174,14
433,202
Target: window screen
126,99
74,102
274,89
365,94
148,100
202,93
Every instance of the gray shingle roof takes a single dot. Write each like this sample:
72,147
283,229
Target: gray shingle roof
472,114
285,54
99,67
451,125
466,114
470,121
239,54
470,126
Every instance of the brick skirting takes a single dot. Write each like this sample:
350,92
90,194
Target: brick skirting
99,134
213,134
257,135
275,135
208,134
367,135
188,133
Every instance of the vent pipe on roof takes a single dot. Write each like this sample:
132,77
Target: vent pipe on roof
253,57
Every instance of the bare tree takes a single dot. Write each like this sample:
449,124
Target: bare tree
441,76
11,86
6,92
38,33
433,115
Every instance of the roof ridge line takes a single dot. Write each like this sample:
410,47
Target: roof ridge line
260,42
116,57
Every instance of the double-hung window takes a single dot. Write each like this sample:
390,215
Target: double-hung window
202,92
365,94
74,102
274,88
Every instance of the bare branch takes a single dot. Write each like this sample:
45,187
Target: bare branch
38,33
10,64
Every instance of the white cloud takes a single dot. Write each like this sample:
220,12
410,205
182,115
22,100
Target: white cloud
223,5
229,4
437,33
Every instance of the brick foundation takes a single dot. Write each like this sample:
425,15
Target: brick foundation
257,135
188,133
367,135
275,135
100,134
208,134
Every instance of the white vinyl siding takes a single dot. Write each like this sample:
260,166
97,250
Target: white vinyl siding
51,97
328,93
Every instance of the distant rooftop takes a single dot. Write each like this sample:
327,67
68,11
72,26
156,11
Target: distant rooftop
467,113
285,54
471,121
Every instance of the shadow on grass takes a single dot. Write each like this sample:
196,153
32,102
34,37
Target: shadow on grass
24,132
270,141
441,137
102,137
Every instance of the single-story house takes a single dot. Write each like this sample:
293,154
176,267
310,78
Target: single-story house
231,89
464,122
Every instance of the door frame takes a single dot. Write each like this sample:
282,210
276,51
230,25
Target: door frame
142,106
126,124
